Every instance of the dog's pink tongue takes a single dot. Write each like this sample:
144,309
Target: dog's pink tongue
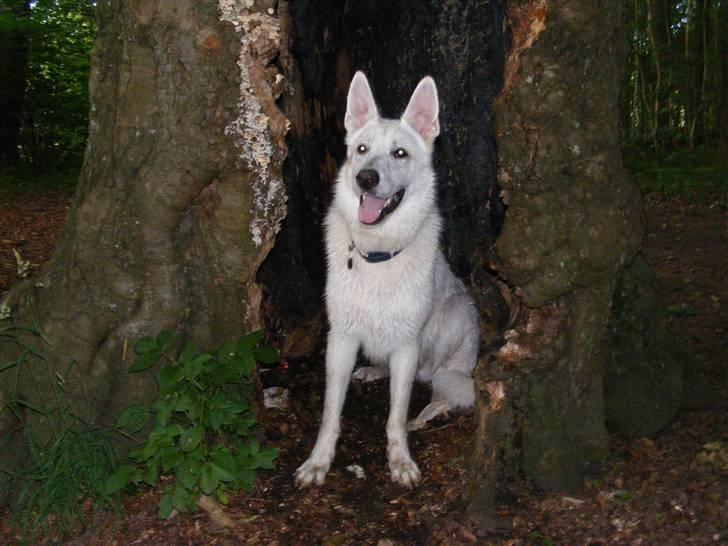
370,208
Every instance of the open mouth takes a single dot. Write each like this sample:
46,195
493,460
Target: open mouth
373,210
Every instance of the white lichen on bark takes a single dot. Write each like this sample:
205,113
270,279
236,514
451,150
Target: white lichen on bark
259,129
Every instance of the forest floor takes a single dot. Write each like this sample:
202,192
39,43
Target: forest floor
668,490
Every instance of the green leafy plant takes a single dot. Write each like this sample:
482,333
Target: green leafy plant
202,422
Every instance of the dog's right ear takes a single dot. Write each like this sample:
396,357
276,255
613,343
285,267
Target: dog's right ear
360,105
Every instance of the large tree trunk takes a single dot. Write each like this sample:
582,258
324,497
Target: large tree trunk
178,203
572,229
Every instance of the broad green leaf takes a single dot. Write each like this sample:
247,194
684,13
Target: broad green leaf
184,401
174,430
220,411
222,474
266,354
165,340
165,504
243,364
119,479
168,376
150,474
163,409
145,361
265,457
208,480
191,438
187,353
226,352
145,345
245,478
180,498
203,358
188,472
171,457
132,418
224,460
243,426
249,341
193,368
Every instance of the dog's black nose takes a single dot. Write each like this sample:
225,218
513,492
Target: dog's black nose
367,179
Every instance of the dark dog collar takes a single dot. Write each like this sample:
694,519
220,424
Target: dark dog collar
373,257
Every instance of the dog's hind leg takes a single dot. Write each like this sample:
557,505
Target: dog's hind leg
340,359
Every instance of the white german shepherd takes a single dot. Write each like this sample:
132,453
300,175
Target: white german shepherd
389,290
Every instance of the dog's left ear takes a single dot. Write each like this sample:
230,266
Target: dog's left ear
423,110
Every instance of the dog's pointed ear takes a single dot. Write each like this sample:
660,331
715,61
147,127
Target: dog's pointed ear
423,110
360,105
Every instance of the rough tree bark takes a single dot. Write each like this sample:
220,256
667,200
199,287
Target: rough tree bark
178,202
587,345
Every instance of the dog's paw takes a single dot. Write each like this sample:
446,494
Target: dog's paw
367,374
311,472
404,471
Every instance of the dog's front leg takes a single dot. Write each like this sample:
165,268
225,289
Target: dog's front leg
402,365
340,359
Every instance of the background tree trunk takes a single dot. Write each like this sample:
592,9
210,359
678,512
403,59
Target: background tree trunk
178,202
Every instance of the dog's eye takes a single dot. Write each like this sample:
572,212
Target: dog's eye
400,153
362,149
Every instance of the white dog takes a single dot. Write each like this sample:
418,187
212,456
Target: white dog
389,290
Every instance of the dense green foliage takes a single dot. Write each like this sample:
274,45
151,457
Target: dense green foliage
202,431
48,60
675,83
700,175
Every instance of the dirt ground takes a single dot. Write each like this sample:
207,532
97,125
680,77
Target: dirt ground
667,490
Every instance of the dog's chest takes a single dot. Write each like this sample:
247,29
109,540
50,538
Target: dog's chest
381,302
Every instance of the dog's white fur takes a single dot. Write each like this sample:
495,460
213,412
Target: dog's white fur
409,313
